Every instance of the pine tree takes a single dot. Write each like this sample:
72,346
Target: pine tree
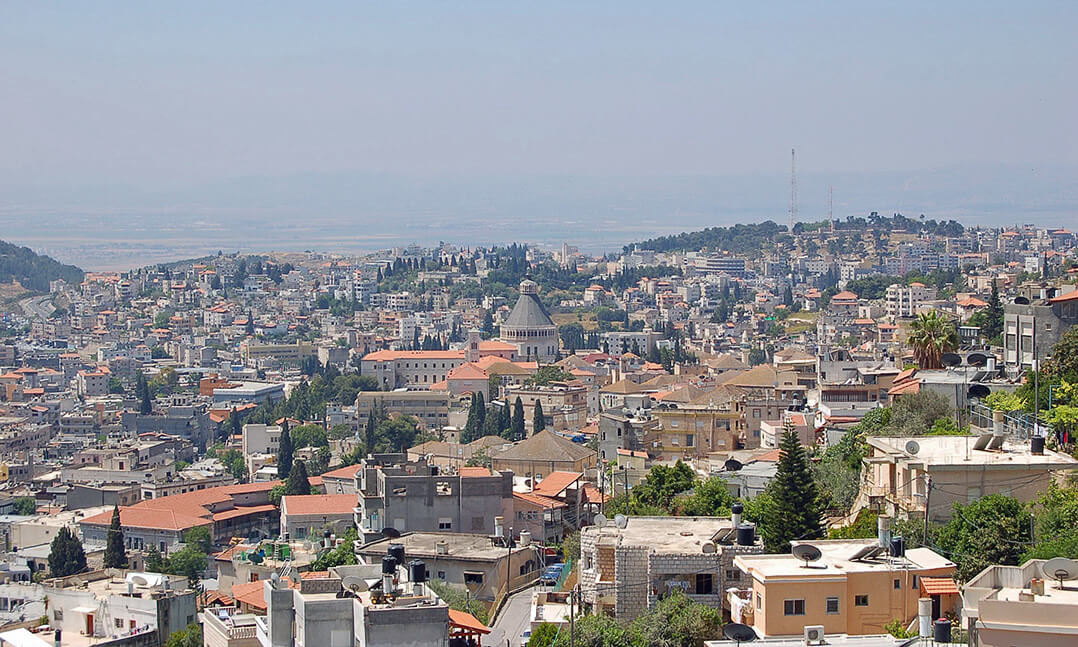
284,451
517,425
142,391
66,556
374,418
298,482
538,421
793,511
115,557
993,325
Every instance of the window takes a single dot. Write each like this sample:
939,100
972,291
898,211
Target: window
445,523
704,584
832,606
860,601
441,575
793,607
733,575
898,584
915,581
119,622
473,577
759,601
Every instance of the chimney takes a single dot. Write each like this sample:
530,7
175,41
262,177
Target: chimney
924,616
883,530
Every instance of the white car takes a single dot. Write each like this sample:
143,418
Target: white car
525,637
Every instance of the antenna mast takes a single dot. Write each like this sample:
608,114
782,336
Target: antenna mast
793,188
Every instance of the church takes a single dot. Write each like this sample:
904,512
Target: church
530,328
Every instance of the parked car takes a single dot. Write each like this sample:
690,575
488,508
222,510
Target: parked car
552,574
525,638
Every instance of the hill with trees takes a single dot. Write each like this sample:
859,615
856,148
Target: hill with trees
33,271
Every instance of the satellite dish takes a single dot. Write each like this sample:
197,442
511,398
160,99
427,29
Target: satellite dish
707,548
354,584
600,519
390,532
912,447
1021,301
139,580
732,465
976,359
951,359
275,579
621,520
1060,568
806,553
738,632
978,391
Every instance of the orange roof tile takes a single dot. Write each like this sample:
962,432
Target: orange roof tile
474,472
346,472
539,500
464,620
319,503
939,586
556,482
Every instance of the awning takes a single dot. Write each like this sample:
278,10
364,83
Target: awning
938,586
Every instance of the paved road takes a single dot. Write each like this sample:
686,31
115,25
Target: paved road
512,621
40,307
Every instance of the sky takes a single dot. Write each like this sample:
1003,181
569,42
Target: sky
147,96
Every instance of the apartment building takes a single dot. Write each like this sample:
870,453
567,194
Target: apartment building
898,474
261,439
430,408
712,422
855,587
1032,326
413,496
625,570
565,404
904,301
307,516
1019,605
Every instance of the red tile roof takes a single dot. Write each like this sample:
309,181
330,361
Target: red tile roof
539,500
556,482
346,472
474,472
938,586
1070,296
466,621
319,503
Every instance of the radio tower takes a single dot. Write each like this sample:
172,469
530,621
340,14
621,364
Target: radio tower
793,188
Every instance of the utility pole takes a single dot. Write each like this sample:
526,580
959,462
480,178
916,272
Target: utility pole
928,500
572,618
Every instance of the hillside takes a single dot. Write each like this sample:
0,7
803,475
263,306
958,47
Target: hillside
33,271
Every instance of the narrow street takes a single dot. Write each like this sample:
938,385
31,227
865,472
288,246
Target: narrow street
512,622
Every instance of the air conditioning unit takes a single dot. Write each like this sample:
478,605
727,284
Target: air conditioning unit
814,635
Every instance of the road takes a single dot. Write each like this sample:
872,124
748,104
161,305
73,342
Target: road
37,307
512,621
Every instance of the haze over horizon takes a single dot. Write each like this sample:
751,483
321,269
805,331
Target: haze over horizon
134,132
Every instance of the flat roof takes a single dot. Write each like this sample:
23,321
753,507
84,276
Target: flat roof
835,561
424,544
951,450
669,535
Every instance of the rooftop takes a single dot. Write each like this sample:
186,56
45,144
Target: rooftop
953,450
670,535
836,561
423,545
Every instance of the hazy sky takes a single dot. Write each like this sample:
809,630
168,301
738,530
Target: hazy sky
143,93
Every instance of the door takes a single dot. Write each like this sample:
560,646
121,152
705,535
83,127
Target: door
89,624
935,607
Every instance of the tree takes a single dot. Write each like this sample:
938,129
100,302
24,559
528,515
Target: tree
191,636
189,562
308,436
492,425
297,480
155,563
545,635
993,322
517,425
662,484
284,451
538,420
374,418
992,530
276,492
66,556
794,511
473,428
914,414
115,556
25,505
932,335
199,537
677,621
142,390
549,373
710,498
342,555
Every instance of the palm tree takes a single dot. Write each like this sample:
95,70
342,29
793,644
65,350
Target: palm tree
932,335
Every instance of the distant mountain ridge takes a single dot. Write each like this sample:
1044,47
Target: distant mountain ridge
32,270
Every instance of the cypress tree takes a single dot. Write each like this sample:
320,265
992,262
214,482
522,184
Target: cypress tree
284,452
66,556
793,511
297,480
994,321
492,425
142,391
374,418
505,421
115,557
538,420
517,425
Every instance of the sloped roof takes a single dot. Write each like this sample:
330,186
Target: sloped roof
763,375
556,482
319,503
545,446
464,620
938,586
528,313
346,472
725,362
623,386
540,500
